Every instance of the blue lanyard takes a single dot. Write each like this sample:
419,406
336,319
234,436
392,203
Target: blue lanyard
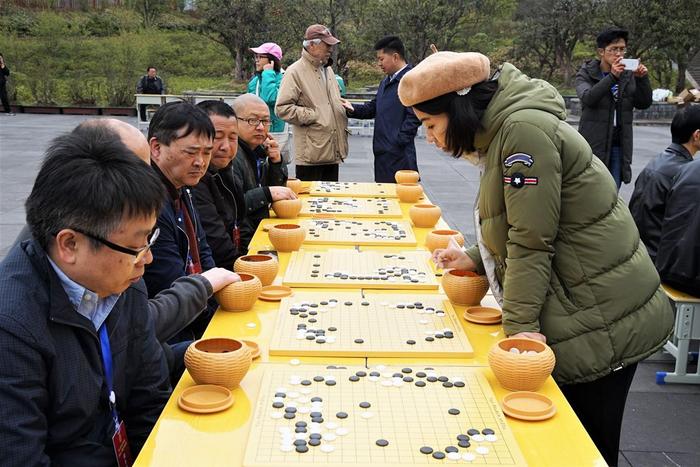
107,362
259,163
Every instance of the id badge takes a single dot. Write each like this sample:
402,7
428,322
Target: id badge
237,237
121,446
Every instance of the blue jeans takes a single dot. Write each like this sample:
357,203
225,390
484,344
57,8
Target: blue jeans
615,166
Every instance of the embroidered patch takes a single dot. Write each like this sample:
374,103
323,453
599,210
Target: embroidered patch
520,157
518,180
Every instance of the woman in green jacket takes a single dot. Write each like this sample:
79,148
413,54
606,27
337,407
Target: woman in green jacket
560,249
267,78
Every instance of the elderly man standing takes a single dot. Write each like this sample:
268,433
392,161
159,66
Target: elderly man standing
258,167
309,99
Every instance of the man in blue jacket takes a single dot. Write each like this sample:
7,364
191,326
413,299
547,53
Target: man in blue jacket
395,126
81,362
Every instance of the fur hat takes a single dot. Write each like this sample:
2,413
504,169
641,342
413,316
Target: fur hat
443,73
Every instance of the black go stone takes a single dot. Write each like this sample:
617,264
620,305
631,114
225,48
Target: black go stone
306,382
426,450
354,378
315,414
438,335
314,442
280,394
318,379
361,374
299,442
348,303
449,335
407,370
439,455
330,382
463,443
332,328
410,342
323,302
341,415
472,432
310,338
407,379
459,384
453,411
317,420
365,303
382,443
289,416
316,399
315,436
300,429
374,373
462,437
397,375
487,431
300,424
359,341
431,379
277,405
291,410
430,338
365,405
420,383
302,449
442,379
320,340
447,384
451,449
420,374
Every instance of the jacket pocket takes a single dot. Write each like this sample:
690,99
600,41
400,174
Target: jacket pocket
559,290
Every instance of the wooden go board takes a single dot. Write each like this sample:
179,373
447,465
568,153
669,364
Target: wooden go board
348,324
353,269
353,189
390,417
359,232
350,207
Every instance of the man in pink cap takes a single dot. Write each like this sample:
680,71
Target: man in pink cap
265,83
309,99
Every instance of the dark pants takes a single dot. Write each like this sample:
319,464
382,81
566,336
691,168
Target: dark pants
616,165
320,173
142,112
600,406
4,98
386,165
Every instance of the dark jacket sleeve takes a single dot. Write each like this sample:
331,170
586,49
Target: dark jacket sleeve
6,71
173,309
588,92
364,111
167,263
139,86
218,237
205,256
23,399
409,127
642,93
163,89
151,388
276,175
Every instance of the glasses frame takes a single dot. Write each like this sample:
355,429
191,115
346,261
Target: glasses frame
254,122
137,254
616,50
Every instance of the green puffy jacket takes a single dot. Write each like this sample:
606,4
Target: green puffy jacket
265,85
566,250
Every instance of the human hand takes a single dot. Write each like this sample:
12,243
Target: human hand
640,71
273,149
220,278
268,66
453,257
532,335
617,67
282,192
347,105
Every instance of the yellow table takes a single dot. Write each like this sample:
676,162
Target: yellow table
181,438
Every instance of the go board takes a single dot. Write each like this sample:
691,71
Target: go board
359,232
353,189
353,269
350,207
348,324
350,416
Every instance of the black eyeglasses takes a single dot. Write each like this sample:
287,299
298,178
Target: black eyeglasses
138,254
255,121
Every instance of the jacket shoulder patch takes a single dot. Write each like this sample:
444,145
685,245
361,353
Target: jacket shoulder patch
519,157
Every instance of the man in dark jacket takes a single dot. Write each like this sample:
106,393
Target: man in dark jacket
258,166
608,93
81,361
395,126
149,84
677,258
4,73
648,202
180,138
219,200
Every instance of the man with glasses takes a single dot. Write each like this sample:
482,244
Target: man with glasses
258,167
82,375
309,99
608,93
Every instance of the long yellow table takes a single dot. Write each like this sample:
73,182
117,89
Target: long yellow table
182,438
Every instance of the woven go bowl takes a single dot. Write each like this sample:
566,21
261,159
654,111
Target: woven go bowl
409,192
406,176
287,237
287,208
263,266
441,238
241,295
424,215
464,287
219,361
294,184
518,372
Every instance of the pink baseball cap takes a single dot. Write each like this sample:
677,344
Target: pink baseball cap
269,48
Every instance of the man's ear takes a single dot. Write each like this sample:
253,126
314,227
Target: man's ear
155,147
66,246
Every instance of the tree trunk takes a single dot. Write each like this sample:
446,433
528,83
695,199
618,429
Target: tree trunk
680,82
238,68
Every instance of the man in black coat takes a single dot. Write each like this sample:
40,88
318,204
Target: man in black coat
218,198
149,83
81,361
609,92
4,73
395,126
648,202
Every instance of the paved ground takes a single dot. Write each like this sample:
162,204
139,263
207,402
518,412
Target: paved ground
660,426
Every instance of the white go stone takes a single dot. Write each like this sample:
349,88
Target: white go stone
514,350
424,321
304,409
483,450
295,361
367,415
331,426
387,383
453,456
305,391
330,340
468,456
293,395
284,429
397,383
380,368
328,437
478,438
491,438
286,448
291,404
278,399
299,435
295,380
387,374
373,379
281,389
303,400
277,415
342,431
327,448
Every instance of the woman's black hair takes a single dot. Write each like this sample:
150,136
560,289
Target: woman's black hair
276,64
465,113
